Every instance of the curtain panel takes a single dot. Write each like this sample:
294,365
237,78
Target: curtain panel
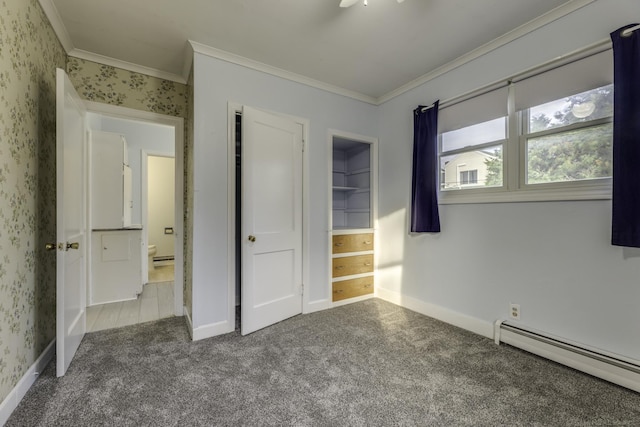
424,191
625,227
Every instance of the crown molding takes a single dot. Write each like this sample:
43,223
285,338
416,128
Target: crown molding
278,72
529,27
188,61
59,28
129,66
192,46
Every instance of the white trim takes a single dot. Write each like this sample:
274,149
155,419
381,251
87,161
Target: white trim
446,315
52,14
61,31
124,65
278,72
212,330
178,124
318,305
352,300
523,30
592,191
13,399
188,62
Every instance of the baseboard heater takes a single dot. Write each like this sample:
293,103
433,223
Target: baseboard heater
612,368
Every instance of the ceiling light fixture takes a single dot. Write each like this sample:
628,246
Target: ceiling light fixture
349,3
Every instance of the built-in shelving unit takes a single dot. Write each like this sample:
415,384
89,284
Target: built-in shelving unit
352,217
351,184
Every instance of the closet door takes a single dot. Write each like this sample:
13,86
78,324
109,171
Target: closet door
271,219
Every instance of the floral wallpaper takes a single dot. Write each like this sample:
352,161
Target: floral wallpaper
110,85
29,55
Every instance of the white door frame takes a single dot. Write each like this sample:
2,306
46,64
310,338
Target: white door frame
178,124
144,204
232,109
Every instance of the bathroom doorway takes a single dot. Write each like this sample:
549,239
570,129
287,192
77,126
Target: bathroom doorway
160,215
162,136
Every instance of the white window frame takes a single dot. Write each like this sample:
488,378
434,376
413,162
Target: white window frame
514,188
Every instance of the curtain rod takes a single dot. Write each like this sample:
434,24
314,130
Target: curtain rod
628,31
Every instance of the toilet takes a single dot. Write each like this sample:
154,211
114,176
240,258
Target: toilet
152,251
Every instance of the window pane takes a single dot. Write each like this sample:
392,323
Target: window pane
570,156
472,169
493,130
590,105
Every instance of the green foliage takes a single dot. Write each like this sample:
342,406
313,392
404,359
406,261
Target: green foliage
584,153
494,169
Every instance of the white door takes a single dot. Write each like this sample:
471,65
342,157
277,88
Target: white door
271,219
71,221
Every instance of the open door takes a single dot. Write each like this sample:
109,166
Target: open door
271,219
70,221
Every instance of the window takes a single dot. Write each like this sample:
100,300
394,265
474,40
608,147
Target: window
546,136
570,139
469,177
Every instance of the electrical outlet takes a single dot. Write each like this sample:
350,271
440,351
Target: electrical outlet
514,311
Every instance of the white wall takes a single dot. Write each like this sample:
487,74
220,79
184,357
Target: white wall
554,259
140,136
161,206
218,82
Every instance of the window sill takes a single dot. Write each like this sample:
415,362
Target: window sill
600,190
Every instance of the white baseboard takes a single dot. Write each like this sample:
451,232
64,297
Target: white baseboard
212,330
446,315
314,306
13,399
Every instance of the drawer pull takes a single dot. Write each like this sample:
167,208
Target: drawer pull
368,242
339,244
368,285
339,267
339,291
367,264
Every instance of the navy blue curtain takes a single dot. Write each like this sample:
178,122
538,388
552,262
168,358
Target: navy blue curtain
424,197
625,229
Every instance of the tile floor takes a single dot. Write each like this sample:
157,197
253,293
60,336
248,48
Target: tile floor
155,302
163,272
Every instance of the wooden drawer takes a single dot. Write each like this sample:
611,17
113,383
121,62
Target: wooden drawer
349,265
352,288
343,243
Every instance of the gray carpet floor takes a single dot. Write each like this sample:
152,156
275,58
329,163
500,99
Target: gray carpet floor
365,364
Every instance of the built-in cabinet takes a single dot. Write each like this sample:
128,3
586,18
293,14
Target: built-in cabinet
353,210
111,181
116,265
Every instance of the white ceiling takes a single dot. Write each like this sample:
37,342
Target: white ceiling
370,50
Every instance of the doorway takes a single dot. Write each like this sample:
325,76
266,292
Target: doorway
269,265
158,215
162,137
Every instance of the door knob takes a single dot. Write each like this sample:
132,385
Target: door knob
50,246
74,245
252,238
